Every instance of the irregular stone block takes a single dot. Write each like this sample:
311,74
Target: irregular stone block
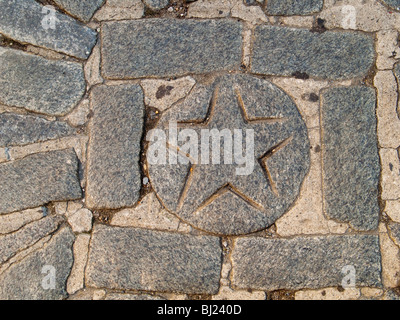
303,262
113,171
31,279
328,55
27,21
18,129
83,10
39,179
394,4
156,4
139,259
25,82
167,47
294,7
351,167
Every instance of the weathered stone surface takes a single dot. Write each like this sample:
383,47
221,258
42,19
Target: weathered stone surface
394,4
156,4
14,221
24,280
272,264
113,172
351,167
394,231
165,47
138,259
328,55
39,179
131,297
120,10
81,221
392,209
390,259
83,10
77,277
12,243
390,181
21,129
219,194
329,294
293,7
25,82
27,21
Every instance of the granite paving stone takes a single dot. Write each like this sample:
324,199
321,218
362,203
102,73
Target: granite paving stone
139,259
394,4
83,10
350,156
166,47
329,55
30,279
40,85
156,4
293,7
305,262
26,21
38,179
226,196
113,172
19,130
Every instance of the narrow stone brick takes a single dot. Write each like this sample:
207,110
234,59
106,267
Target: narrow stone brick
139,259
328,55
294,7
304,262
39,179
83,10
27,21
351,167
166,47
113,171
40,85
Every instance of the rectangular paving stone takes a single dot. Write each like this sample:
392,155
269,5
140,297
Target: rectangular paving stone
294,7
40,85
83,10
27,21
329,55
38,179
139,259
351,167
168,47
113,171
305,262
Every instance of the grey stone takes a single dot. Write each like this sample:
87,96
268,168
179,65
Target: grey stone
169,47
83,10
216,197
394,4
40,85
27,21
350,156
394,229
328,55
27,280
156,4
139,259
10,244
304,262
38,179
396,71
294,7
18,129
113,170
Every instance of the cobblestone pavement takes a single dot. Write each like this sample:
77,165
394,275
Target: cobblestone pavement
202,149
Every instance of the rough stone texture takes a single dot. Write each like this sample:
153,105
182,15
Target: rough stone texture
217,197
351,169
328,55
80,115
390,182
209,9
21,20
113,172
156,4
130,297
120,10
394,231
387,49
272,264
24,82
390,259
39,179
77,277
21,129
81,221
83,10
328,294
23,280
165,47
137,259
293,7
12,243
14,221
394,4
253,14
226,293
392,209
92,68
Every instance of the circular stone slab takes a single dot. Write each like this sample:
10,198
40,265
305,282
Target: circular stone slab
243,195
